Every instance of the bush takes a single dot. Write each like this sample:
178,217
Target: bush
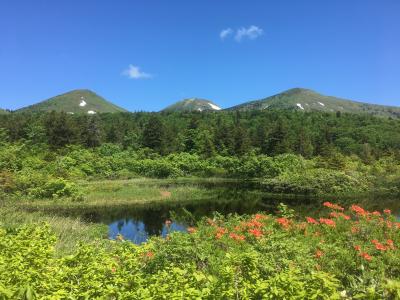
56,188
350,254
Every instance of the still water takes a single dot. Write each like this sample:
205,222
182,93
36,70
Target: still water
138,223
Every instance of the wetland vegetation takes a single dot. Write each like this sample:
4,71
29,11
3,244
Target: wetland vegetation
137,217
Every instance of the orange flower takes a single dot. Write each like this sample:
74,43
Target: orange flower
333,206
355,229
254,223
283,222
387,211
256,232
319,254
237,237
311,220
191,229
259,217
366,256
149,254
390,244
357,247
358,210
376,213
378,245
328,222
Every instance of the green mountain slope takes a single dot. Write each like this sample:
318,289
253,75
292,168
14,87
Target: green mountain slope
192,104
308,100
3,111
76,101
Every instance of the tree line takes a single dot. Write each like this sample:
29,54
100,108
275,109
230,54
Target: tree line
212,133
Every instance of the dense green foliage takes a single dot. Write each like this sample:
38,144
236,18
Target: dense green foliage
38,172
42,154
350,253
208,134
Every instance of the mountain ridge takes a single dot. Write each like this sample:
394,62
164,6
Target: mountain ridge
79,101
309,100
192,104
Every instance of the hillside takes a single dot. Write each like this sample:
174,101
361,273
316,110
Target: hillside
192,104
3,111
73,102
308,100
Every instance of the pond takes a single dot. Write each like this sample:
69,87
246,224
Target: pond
138,223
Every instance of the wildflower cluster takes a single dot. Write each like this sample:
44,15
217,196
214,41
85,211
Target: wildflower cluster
255,257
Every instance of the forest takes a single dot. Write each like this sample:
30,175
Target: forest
289,152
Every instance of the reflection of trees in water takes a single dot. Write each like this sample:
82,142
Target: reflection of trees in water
231,200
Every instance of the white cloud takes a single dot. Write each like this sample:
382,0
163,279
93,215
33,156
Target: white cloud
251,33
224,33
134,72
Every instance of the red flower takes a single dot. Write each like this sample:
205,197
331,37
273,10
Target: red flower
311,220
390,244
149,254
387,211
357,248
377,213
366,256
254,223
319,254
256,232
283,222
218,236
333,206
328,222
378,245
220,232
358,210
237,237
259,217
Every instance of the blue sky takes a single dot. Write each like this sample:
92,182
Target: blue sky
144,55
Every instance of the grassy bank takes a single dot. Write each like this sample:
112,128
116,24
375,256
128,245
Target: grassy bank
347,254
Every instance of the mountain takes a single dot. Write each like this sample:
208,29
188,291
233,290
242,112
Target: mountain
308,100
74,102
192,104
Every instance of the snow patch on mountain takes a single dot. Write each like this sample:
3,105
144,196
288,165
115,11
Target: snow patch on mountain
213,106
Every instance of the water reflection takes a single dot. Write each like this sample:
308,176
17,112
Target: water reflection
138,222
138,232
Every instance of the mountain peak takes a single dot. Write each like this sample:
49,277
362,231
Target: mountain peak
307,100
298,90
192,104
81,101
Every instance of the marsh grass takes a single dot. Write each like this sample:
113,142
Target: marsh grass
69,230
63,214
